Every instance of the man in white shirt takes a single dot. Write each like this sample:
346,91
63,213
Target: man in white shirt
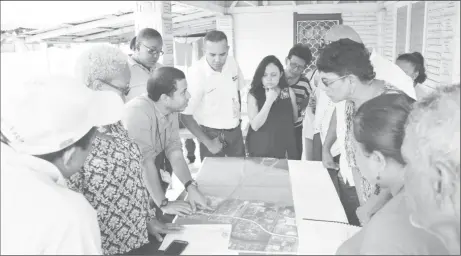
47,131
385,70
213,113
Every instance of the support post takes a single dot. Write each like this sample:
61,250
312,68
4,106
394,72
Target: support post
157,15
225,23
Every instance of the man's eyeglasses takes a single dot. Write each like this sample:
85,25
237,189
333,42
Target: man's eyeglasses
153,51
324,43
295,66
125,91
329,83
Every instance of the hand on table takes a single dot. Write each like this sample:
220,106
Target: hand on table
327,160
180,208
197,199
214,146
156,228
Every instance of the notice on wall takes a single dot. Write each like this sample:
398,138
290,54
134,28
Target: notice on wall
168,58
440,47
167,27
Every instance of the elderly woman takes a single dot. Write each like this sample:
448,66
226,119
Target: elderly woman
431,150
379,126
112,177
348,75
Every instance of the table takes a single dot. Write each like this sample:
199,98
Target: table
313,196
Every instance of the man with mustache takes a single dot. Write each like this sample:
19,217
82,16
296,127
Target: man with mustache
213,114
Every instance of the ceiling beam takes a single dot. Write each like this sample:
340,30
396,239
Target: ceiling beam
265,3
293,3
252,3
206,6
115,32
107,22
336,2
234,3
193,23
314,2
192,16
310,8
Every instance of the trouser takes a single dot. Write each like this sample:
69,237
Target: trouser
299,141
190,148
190,143
347,194
232,142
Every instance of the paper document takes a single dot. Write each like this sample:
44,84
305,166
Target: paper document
207,239
323,238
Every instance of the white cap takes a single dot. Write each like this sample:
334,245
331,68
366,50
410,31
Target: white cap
49,114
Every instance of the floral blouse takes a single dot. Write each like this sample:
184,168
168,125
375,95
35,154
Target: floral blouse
367,188
111,180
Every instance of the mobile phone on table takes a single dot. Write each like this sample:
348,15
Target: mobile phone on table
176,247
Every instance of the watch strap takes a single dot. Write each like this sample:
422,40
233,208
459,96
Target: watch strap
164,203
187,184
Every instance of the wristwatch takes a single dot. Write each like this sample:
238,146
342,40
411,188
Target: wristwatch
190,182
164,203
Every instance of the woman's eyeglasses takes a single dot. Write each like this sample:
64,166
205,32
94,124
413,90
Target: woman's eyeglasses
153,51
329,83
125,91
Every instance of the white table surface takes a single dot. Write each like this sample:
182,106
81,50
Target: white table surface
315,197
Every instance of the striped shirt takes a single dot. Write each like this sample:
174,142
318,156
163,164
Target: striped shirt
302,90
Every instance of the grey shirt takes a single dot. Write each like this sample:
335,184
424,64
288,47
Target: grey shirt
141,118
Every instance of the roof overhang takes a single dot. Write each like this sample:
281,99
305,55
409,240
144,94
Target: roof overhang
189,17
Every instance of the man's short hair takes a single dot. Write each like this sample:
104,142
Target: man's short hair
433,128
163,81
215,36
302,51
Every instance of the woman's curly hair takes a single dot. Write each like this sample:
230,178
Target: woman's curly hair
100,62
345,57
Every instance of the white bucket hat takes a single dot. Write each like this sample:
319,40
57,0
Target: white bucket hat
46,115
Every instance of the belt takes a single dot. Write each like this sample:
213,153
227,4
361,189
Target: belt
219,129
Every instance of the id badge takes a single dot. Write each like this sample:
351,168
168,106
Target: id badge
166,177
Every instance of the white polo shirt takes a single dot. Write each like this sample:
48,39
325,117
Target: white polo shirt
214,95
40,215
139,77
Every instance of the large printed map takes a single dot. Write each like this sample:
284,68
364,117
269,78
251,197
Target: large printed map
257,226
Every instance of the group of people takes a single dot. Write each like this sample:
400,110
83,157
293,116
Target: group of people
111,134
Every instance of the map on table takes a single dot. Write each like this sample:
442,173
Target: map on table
257,226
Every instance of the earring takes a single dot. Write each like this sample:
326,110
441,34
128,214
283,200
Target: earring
377,187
